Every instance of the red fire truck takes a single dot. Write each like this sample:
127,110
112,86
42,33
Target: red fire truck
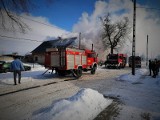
71,60
137,61
116,60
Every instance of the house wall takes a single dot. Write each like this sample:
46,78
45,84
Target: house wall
39,58
28,58
6,58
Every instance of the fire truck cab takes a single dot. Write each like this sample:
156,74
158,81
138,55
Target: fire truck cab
71,60
116,60
137,61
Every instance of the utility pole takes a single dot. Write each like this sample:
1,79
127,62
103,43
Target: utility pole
80,40
147,52
134,37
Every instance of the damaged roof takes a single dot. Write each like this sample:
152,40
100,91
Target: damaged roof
58,43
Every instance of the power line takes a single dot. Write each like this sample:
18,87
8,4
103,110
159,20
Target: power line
36,21
10,30
39,22
149,8
25,39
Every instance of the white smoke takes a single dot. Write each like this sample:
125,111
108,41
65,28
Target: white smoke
147,23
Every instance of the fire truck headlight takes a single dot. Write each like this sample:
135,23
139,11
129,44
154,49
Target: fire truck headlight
89,61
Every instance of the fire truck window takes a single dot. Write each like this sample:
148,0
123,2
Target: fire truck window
113,56
120,57
91,55
137,58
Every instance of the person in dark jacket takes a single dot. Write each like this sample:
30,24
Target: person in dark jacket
157,66
17,67
150,67
154,69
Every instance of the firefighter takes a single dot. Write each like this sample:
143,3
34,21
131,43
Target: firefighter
158,65
150,67
154,69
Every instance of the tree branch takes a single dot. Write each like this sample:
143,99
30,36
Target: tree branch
114,33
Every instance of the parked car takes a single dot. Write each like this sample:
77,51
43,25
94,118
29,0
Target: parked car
27,67
5,66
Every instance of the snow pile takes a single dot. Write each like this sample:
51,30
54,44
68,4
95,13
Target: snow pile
85,105
133,78
35,66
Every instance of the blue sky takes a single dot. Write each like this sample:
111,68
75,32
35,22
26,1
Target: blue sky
65,13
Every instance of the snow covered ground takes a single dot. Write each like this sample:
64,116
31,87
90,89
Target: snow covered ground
85,105
82,99
133,78
140,95
6,79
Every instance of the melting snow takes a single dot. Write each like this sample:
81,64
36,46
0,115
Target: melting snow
133,78
85,105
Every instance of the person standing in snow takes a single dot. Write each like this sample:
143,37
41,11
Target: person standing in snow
150,67
158,62
154,68
157,66
16,67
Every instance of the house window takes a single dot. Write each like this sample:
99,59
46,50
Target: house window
36,59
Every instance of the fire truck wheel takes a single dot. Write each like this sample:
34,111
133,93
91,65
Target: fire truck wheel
61,73
79,72
93,70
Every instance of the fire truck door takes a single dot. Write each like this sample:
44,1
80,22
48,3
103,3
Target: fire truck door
55,59
62,58
47,59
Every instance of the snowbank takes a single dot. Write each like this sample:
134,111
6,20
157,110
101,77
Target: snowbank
85,105
35,66
133,78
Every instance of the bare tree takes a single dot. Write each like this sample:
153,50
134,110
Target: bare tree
9,14
114,34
